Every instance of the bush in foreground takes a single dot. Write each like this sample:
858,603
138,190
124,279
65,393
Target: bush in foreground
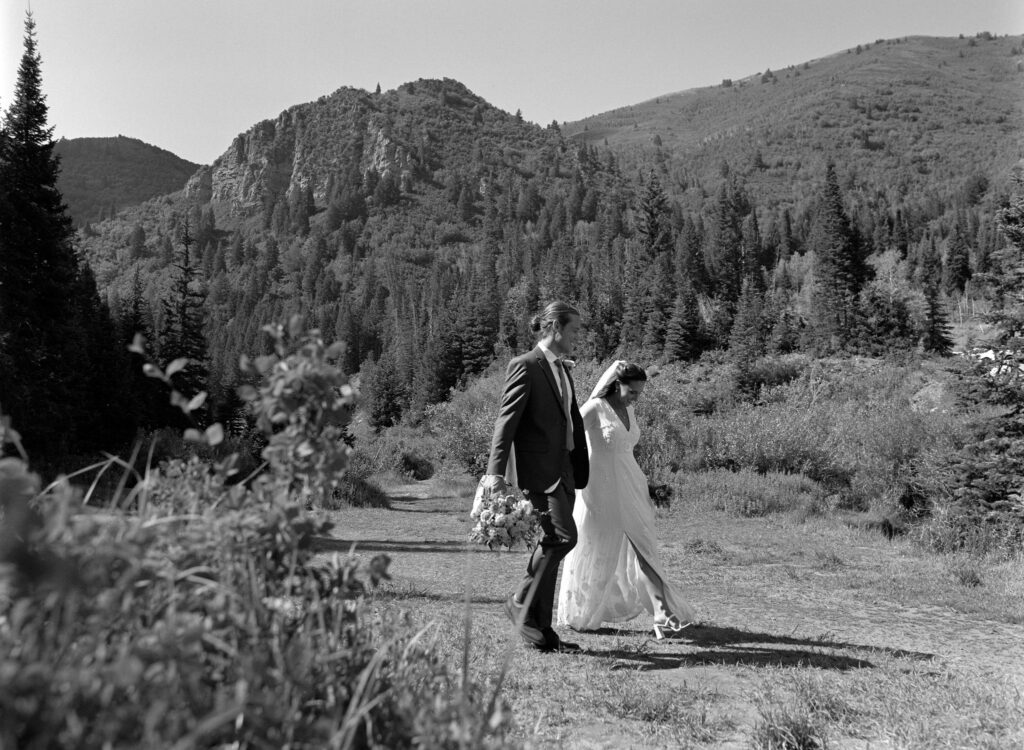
203,617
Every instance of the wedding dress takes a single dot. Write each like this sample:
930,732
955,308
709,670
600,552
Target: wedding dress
614,573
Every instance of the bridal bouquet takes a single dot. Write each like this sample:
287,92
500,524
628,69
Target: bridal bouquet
503,520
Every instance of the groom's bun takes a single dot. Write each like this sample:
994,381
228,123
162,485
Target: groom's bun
535,323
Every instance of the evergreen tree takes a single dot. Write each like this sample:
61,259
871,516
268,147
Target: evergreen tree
884,324
136,242
723,251
136,318
747,338
683,333
1008,317
689,264
49,313
478,322
958,261
751,250
184,320
936,336
654,224
838,269
384,394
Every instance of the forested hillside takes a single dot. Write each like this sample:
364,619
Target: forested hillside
913,117
101,176
843,205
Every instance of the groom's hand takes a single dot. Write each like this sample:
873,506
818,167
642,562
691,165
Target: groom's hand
494,483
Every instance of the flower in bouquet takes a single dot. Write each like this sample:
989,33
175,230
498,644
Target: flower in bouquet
661,494
504,520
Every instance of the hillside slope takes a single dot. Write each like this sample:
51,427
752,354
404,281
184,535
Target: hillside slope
913,115
101,176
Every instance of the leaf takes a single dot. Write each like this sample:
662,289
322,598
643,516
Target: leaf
197,401
194,436
138,344
152,371
215,434
336,349
295,326
177,366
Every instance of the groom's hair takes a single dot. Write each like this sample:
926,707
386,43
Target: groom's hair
557,310
631,373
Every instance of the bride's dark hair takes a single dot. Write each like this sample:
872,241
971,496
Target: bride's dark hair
630,374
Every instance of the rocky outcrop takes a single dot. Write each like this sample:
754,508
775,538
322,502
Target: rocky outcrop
258,163
199,187
303,148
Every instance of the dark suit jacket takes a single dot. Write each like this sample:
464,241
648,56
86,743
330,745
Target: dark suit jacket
532,417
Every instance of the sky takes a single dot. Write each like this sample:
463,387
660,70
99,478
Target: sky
189,75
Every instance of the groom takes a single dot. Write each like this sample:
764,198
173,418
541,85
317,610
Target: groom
539,416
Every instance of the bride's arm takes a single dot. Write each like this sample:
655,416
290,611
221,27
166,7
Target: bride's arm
591,412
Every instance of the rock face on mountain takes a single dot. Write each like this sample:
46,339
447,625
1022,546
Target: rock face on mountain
307,146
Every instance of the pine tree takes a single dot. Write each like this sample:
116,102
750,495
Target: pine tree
936,336
184,320
958,261
747,338
689,264
47,317
1008,317
723,250
136,318
838,269
683,334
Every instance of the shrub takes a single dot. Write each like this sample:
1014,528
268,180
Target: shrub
463,426
747,493
415,466
767,373
303,405
400,450
203,616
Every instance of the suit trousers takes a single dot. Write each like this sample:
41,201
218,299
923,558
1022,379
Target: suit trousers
558,537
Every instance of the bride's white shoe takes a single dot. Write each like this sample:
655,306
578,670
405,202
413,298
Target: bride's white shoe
669,628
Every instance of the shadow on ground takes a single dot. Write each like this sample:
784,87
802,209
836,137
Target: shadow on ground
727,646
330,544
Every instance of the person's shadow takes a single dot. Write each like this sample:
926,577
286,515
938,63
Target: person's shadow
726,646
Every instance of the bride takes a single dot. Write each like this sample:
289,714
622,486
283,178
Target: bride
614,573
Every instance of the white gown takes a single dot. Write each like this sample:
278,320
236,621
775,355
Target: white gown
614,572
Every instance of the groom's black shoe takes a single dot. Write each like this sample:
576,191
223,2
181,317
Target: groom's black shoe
525,624
555,644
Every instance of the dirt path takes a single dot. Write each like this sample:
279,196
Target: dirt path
829,601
